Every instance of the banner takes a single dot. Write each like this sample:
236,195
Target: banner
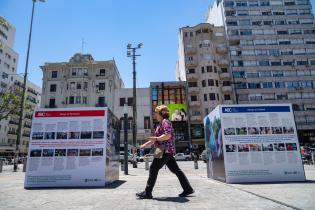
178,112
67,148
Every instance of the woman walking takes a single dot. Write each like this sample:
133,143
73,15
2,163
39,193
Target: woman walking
165,149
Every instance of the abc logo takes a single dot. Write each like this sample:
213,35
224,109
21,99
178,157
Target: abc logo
227,109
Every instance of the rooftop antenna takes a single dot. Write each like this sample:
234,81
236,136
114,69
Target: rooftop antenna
82,45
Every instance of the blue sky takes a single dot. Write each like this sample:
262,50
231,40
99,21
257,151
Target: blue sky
106,26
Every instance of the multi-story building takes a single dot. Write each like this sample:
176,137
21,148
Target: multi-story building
124,96
204,63
81,82
33,97
8,68
272,54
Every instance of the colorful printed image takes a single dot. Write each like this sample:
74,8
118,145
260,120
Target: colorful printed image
253,131
276,130
97,152
48,152
229,131
85,152
74,135
241,131
86,134
279,146
178,112
62,135
37,135
288,130
265,130
255,147
230,148
36,153
291,146
60,152
98,134
267,147
49,135
243,148
72,152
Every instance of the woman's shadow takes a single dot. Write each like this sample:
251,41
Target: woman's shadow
172,199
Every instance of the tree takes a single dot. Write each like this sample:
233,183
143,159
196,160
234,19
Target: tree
10,101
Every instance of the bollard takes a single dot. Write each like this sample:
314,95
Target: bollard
196,164
24,164
1,165
146,164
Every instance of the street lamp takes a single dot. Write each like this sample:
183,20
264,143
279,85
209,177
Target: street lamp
131,52
19,134
126,139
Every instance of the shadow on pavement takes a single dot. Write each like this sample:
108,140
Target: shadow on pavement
113,185
172,199
264,183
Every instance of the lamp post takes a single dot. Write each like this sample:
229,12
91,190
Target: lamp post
19,134
131,52
126,139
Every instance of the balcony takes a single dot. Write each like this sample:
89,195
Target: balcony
226,89
195,118
193,90
223,62
225,75
13,122
190,50
195,103
191,77
191,63
222,49
12,133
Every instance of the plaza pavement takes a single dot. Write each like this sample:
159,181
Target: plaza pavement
210,194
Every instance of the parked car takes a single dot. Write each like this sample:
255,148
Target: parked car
182,156
121,155
149,156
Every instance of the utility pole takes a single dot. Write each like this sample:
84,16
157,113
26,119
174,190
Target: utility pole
132,53
19,133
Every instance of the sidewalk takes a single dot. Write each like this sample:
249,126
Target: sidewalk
209,194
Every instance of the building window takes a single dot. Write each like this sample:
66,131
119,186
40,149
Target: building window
78,99
205,98
101,101
122,101
54,74
227,97
102,72
202,69
74,72
53,88
71,100
192,84
210,82
101,86
79,86
52,103
191,71
226,83
130,101
84,100
217,83
85,87
203,83
193,98
212,96
72,85
146,123
267,85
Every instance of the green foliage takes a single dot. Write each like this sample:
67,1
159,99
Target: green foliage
9,103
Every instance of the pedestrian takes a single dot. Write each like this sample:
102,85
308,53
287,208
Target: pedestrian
164,143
